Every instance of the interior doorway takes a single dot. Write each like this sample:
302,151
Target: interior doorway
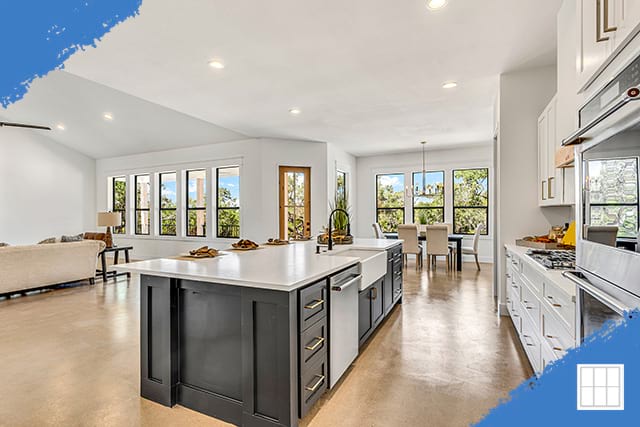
295,202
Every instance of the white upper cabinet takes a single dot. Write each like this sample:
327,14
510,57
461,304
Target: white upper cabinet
554,184
594,44
605,27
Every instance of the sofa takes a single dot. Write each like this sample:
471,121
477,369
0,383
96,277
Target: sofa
31,267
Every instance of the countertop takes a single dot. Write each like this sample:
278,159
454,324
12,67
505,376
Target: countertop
283,268
566,285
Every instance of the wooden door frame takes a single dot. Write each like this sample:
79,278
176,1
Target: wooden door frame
306,170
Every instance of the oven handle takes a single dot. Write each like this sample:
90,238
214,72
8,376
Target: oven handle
632,94
601,296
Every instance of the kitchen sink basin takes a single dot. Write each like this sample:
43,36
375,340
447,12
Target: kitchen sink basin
373,264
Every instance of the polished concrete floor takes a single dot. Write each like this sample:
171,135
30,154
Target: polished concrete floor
70,358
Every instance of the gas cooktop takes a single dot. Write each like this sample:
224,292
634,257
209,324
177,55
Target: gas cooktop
554,259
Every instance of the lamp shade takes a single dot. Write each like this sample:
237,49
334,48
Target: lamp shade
109,219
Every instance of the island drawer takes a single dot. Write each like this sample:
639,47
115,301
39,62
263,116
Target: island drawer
312,385
313,304
313,345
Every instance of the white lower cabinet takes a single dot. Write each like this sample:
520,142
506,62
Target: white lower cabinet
542,314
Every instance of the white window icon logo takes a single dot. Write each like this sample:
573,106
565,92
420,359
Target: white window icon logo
600,387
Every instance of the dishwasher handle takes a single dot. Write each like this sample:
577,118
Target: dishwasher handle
343,286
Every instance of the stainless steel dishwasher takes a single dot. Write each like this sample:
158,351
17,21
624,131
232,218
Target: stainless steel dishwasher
343,321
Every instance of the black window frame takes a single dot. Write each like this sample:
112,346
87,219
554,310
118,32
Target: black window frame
121,229
486,209
224,208
378,209
161,209
189,209
415,208
637,204
138,209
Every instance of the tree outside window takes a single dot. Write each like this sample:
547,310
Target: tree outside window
196,203
168,203
119,202
390,201
228,206
470,200
429,210
143,204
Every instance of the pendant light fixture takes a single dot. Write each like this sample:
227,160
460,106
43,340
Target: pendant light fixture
426,190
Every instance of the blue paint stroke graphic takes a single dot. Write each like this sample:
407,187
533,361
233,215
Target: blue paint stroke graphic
38,36
551,400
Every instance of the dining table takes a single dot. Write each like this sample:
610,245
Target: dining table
455,238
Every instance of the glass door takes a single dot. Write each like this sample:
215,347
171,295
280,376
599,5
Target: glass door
295,202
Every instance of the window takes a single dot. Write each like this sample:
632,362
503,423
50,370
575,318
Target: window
143,204
470,200
228,206
167,204
429,210
390,201
613,194
119,201
196,203
295,202
341,187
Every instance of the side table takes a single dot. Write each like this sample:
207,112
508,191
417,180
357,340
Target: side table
116,253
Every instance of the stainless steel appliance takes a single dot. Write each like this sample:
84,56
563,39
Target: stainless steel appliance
556,259
606,165
343,321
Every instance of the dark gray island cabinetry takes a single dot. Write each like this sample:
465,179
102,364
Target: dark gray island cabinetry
227,351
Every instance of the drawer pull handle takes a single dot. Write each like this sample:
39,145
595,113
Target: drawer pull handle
317,303
550,336
557,349
319,342
556,305
316,385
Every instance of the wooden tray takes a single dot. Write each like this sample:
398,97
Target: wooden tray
537,245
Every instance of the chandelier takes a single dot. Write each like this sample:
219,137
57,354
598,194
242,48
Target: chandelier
427,190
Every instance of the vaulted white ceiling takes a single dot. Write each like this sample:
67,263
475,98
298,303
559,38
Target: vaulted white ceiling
367,74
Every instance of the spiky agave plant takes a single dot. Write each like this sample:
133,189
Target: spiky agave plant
340,219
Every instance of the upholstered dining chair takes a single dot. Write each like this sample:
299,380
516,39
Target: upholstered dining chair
410,245
473,250
377,231
437,244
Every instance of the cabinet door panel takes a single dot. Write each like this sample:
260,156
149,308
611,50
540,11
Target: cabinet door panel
377,309
593,46
364,313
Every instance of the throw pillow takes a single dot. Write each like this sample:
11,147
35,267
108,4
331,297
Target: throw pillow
47,241
76,238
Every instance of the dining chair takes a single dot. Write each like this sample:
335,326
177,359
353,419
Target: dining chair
473,249
437,244
410,245
604,234
453,247
377,231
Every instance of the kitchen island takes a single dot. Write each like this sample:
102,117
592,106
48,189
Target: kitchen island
242,337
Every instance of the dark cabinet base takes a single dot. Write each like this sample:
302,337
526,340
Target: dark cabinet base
229,352
377,301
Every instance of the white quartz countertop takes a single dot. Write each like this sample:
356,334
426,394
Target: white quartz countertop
282,268
555,276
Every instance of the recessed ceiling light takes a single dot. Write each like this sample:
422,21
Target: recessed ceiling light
295,111
217,64
449,85
60,126
436,4
108,116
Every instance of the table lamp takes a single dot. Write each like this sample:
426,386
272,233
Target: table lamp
109,219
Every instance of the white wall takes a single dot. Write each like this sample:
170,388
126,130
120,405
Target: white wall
46,189
259,187
523,96
477,156
338,159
